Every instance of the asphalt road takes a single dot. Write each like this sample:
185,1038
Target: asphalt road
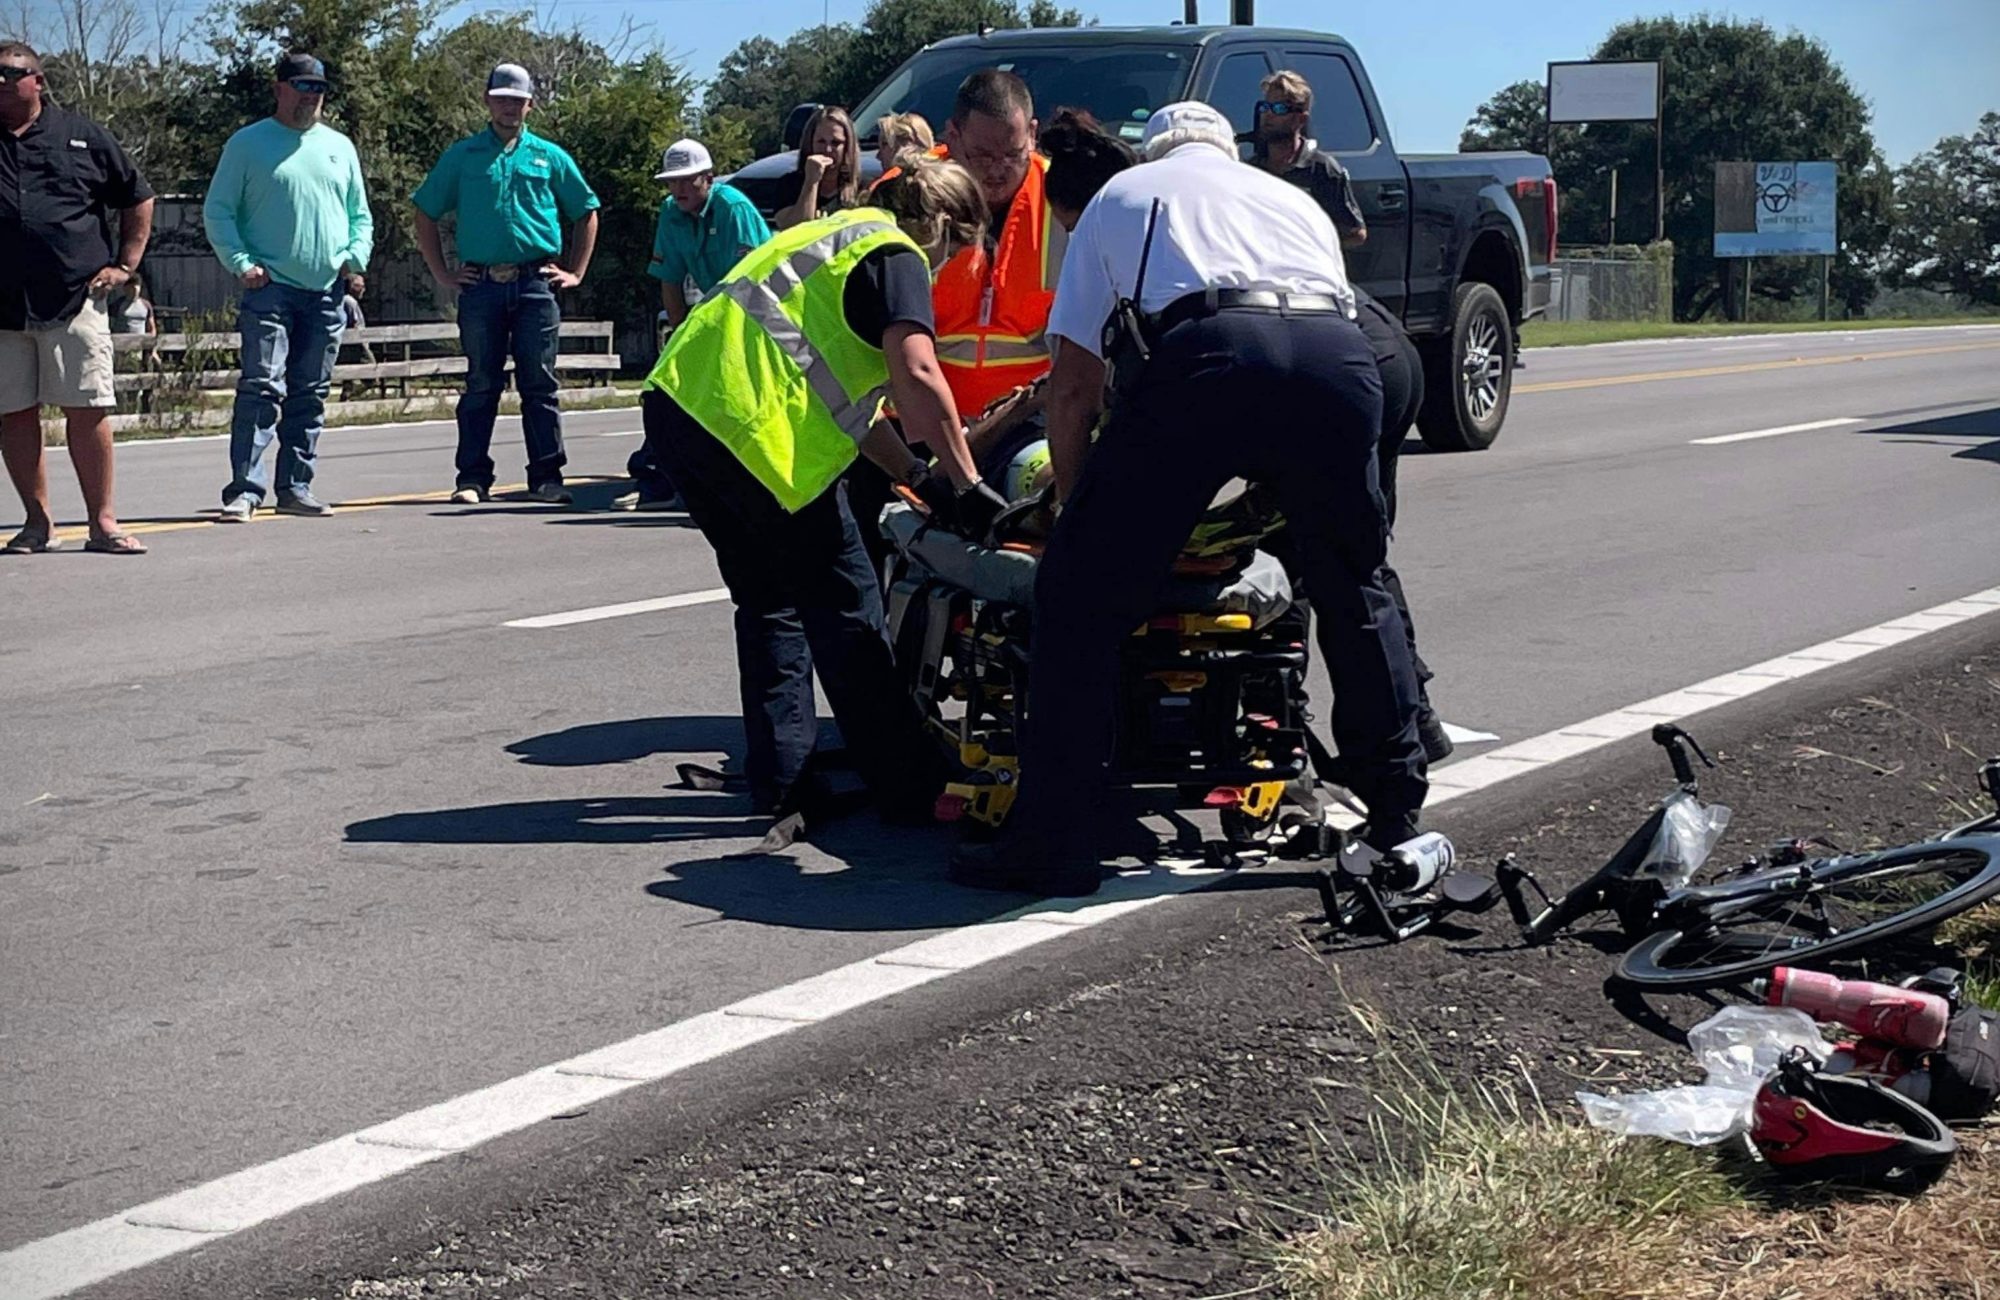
296,835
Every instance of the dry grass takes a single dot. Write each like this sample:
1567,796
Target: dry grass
1943,1245
1481,1192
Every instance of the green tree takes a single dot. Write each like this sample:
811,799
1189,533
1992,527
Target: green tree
1735,92
893,30
760,81
1515,118
1946,232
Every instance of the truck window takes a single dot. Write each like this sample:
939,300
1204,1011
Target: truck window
1121,85
1339,117
1235,88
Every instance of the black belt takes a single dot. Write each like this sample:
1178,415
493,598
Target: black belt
1197,306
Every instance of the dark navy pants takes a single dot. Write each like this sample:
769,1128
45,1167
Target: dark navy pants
1292,402
1402,400
519,319
806,599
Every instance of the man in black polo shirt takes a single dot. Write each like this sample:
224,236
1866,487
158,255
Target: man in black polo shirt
61,177
1283,148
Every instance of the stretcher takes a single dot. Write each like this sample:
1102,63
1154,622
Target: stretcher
1211,693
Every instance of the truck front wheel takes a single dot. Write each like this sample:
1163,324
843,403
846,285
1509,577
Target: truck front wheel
1469,374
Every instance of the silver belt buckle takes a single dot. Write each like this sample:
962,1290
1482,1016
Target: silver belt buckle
505,273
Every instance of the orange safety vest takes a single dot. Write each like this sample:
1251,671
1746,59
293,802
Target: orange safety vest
993,311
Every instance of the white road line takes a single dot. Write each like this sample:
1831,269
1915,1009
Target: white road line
681,601
85,1255
1772,433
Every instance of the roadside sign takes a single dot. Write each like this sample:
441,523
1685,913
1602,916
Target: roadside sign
1776,209
1620,90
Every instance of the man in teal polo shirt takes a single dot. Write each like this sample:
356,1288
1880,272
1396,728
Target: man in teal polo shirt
512,191
705,228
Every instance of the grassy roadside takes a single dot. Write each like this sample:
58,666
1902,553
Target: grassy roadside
1495,1196
1492,1193
1560,334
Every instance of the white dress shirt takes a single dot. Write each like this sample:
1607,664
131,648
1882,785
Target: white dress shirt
1222,224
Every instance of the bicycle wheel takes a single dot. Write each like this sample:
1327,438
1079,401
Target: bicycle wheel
1727,932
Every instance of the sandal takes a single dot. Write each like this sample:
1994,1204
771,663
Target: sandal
115,544
29,541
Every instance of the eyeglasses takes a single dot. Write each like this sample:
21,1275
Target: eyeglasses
307,87
982,160
10,74
1278,108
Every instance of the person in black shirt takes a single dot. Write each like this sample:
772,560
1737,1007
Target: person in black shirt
1283,148
61,178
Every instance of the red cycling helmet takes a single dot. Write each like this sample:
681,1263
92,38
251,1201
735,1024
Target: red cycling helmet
1814,1125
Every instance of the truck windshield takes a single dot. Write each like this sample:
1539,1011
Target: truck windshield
1122,85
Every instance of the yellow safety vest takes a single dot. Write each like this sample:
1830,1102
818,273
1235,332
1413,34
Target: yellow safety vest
769,365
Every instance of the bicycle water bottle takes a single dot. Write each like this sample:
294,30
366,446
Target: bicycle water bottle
1415,865
1897,1016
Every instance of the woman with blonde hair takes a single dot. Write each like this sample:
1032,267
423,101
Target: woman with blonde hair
829,169
899,133
761,400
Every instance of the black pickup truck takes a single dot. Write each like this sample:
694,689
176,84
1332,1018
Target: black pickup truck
1458,244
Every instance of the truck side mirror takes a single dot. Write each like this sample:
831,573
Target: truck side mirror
795,125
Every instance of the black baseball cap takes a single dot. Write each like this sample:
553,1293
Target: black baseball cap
301,67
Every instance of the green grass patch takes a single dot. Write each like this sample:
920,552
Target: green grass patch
1560,334
1479,1190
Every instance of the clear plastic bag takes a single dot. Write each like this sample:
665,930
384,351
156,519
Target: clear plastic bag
1687,835
1740,1047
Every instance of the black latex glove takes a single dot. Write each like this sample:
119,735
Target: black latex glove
935,491
978,506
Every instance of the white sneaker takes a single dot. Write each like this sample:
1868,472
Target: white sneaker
468,496
237,510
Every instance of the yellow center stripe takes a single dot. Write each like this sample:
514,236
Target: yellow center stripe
1749,367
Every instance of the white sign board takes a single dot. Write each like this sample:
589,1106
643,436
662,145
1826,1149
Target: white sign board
1775,209
1604,92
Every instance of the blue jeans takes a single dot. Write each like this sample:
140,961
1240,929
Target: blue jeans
519,319
290,339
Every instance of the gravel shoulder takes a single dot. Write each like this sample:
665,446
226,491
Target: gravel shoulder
1139,1117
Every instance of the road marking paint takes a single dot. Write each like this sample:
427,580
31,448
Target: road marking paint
593,615
1754,434
85,1255
1466,735
1748,367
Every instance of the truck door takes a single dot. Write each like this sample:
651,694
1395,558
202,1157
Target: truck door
1343,127
1233,87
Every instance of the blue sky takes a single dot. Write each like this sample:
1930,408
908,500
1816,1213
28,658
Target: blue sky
1928,67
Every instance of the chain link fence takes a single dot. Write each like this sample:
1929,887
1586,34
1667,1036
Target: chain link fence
1613,283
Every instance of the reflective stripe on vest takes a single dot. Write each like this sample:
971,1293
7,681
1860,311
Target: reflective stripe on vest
742,364
992,319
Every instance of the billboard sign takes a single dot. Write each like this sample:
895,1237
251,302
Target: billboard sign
1776,209
1609,91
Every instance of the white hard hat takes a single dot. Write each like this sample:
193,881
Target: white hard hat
684,158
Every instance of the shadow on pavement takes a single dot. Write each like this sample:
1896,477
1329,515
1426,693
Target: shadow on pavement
1944,431
629,739
624,819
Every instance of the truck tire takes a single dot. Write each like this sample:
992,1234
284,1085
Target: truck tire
1469,374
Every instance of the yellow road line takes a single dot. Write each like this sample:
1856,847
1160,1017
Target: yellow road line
1748,367
78,532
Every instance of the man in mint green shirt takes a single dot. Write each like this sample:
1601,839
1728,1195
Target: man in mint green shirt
288,215
513,192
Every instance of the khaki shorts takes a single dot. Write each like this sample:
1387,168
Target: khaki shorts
66,365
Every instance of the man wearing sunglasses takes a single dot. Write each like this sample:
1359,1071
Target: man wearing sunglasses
61,178
288,215
1283,147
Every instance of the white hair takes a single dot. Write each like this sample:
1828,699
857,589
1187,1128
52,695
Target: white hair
1215,133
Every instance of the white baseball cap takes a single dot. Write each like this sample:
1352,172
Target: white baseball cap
684,158
1190,115
510,81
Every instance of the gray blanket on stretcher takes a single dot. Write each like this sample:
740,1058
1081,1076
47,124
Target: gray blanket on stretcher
1259,589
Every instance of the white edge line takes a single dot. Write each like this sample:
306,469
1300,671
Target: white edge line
66,1261
1772,433
681,601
